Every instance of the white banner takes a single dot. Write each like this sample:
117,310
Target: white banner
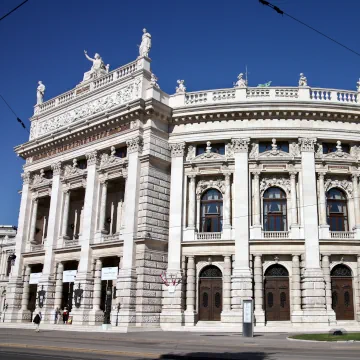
35,277
69,276
109,273
247,311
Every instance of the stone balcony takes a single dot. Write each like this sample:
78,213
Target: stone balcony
265,94
342,234
276,234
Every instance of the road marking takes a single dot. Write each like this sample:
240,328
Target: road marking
81,350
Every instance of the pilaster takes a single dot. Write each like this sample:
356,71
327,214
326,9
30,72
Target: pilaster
296,314
323,226
328,297
172,312
256,228
97,315
259,292
190,292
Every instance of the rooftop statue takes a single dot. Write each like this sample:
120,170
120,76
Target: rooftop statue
181,88
153,81
98,67
303,80
265,85
241,83
40,91
358,86
145,45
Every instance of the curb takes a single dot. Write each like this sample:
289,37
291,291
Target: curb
324,341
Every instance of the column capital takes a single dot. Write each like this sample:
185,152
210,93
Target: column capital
92,158
307,144
56,168
354,176
192,177
134,145
227,176
293,174
240,145
321,175
177,149
26,177
256,173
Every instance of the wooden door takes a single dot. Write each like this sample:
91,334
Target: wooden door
210,299
277,300
342,298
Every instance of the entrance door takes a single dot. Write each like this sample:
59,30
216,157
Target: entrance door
67,296
210,294
342,293
277,299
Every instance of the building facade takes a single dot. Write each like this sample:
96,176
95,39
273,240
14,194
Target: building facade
170,210
7,249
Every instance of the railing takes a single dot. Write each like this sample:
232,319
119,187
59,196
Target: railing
110,237
209,236
268,94
342,234
88,87
37,247
275,234
69,243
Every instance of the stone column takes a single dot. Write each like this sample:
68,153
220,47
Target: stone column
356,203
226,311
256,227
242,277
84,277
296,290
59,285
25,296
103,207
172,312
294,213
259,292
35,203
127,274
96,316
65,216
15,285
328,296
47,281
322,201
115,314
226,208
192,202
313,286
190,292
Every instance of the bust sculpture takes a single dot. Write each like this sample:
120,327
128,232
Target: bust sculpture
145,45
98,67
303,80
40,91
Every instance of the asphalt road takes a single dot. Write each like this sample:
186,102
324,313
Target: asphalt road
16,344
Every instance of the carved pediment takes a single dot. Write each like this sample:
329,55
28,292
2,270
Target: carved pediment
274,152
39,180
203,185
111,160
343,184
73,170
208,154
339,154
277,181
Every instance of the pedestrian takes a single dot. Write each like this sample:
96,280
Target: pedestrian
37,321
65,315
58,315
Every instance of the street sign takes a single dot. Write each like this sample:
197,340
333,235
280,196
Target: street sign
248,318
69,276
109,273
34,278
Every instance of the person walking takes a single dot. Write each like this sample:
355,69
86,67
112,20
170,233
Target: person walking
37,321
65,315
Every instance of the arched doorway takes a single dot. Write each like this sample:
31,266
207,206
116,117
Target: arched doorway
342,293
277,299
210,294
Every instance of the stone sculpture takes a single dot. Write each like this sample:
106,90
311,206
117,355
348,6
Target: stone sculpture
181,88
241,83
153,81
98,67
358,85
40,93
303,80
265,85
145,45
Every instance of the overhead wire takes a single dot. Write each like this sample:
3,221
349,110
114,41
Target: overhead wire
11,11
17,118
281,12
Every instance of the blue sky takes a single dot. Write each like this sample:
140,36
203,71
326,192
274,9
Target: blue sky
207,43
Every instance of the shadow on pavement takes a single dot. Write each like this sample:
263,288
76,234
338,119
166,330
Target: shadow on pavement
208,355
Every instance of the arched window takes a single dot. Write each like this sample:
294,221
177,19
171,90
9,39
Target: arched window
211,211
337,216
341,271
276,271
275,210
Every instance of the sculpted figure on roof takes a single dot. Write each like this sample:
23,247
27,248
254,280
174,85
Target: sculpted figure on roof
145,45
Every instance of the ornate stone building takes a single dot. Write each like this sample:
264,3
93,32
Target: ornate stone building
230,194
7,248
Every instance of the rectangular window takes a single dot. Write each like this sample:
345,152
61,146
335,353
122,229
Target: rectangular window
218,148
267,146
331,147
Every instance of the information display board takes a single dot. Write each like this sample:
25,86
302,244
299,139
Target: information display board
69,276
34,278
248,318
109,273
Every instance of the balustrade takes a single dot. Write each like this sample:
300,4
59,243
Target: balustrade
275,234
209,236
342,234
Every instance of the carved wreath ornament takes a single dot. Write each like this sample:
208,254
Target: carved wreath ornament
283,183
